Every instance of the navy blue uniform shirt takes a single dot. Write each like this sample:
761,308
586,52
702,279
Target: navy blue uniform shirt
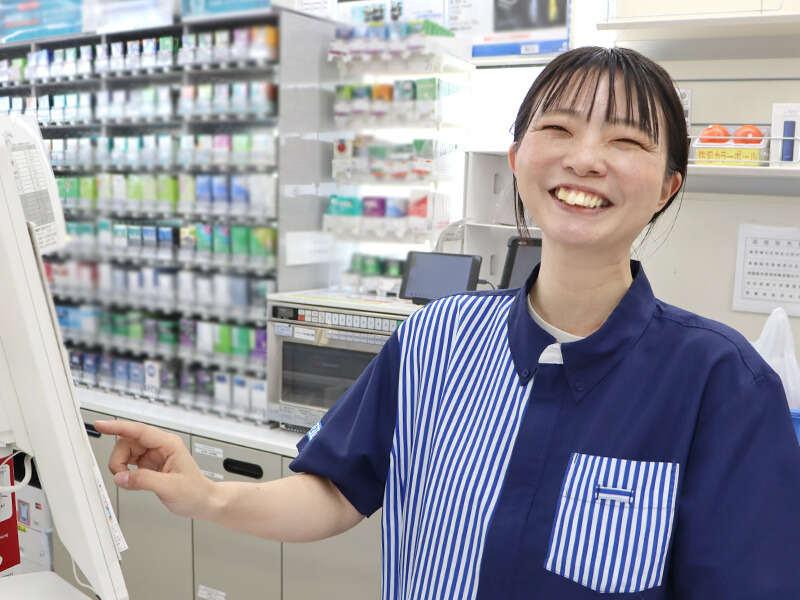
653,459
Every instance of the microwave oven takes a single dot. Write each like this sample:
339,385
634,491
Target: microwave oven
319,344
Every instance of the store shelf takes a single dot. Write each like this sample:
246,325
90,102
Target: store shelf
249,315
755,23
762,181
230,169
259,437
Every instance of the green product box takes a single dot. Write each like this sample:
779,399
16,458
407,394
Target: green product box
106,322
88,191
61,186
119,324
240,240
186,188
148,188
168,332
205,237
71,192
135,188
241,142
262,241
243,340
135,325
222,239
427,89
222,339
167,43
167,190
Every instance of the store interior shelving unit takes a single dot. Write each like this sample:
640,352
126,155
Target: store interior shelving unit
247,151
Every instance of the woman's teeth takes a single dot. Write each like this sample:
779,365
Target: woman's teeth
577,198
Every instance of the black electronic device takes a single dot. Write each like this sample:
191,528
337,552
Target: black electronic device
432,275
522,256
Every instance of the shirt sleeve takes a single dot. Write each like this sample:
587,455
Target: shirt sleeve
351,444
738,525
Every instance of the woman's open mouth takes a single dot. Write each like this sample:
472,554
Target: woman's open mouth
579,200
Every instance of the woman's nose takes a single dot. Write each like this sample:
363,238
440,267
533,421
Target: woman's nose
584,158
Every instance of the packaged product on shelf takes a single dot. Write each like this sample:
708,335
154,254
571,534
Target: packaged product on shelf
381,105
166,193
167,333
119,236
259,290
120,366
186,151
70,110
5,105
90,365
374,216
361,102
116,60
117,154
424,155
222,290
204,288
17,68
222,45
102,99
163,102
166,149
166,284
240,396
135,192
258,399
419,211
71,152
134,241
119,191
262,246
165,55
205,389
264,42
43,109
187,386
148,202
83,113
222,242
57,105
104,239
57,66
85,153
203,99
242,341
149,50
133,57
186,289
85,61
186,194
342,104
262,149
400,162
26,105
223,339
169,382
263,192
149,240
104,277
186,52
240,195
188,243
135,325
222,149
152,377
240,242
220,195
69,68
71,191
105,371
148,155
343,215
133,109
239,291
205,240
87,192
240,44
203,191
239,97
204,148
258,353
186,100
76,364
222,393
136,378
133,150
167,241
379,160
221,102
57,152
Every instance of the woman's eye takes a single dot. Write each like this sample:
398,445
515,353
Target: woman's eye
554,127
630,141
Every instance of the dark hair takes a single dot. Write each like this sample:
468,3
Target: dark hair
647,84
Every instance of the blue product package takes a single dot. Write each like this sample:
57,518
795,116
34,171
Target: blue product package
120,367
220,191
136,373
149,236
107,366
239,290
167,237
787,144
240,191
91,362
62,314
202,188
75,362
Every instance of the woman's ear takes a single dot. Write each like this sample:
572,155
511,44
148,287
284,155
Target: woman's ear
672,183
512,157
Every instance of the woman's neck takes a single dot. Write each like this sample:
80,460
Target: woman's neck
576,296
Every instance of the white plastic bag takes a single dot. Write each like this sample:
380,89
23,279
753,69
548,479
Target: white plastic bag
776,346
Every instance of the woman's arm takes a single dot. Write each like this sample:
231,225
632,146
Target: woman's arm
294,509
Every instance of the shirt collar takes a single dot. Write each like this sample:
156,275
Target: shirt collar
586,361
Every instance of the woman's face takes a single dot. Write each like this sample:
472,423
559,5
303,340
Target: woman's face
590,184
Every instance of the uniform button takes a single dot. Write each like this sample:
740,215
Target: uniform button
526,373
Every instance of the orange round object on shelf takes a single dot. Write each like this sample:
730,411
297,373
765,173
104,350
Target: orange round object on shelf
715,134
748,134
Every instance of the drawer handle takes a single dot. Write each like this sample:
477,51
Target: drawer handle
91,431
239,467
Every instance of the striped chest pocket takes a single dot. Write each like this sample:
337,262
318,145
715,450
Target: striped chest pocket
613,525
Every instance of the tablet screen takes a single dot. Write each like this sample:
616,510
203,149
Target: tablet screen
431,275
